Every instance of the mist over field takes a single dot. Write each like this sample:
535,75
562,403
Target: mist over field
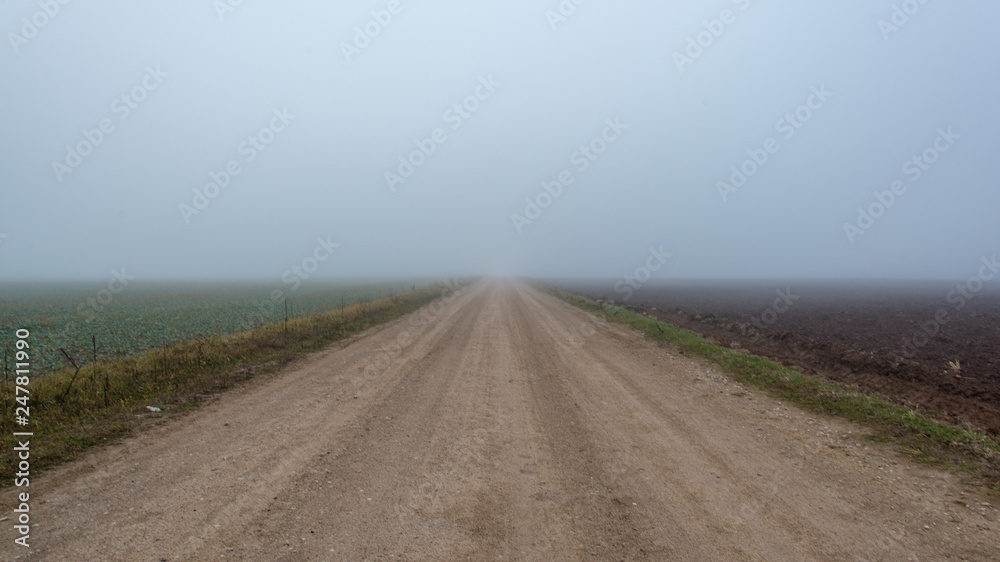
733,139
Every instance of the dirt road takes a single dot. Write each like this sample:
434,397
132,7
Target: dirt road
509,426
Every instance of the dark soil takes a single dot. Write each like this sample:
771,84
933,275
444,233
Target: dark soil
867,334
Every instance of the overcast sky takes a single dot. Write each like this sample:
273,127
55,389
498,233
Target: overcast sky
652,113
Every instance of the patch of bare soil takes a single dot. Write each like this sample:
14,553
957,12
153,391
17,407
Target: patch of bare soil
873,335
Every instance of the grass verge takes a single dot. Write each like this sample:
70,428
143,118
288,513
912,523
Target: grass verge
916,434
72,410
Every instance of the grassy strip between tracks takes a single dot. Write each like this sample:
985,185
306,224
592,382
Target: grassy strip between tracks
71,411
914,432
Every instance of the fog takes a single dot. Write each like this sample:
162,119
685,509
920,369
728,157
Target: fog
743,139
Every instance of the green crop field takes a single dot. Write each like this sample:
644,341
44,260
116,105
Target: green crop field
147,316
